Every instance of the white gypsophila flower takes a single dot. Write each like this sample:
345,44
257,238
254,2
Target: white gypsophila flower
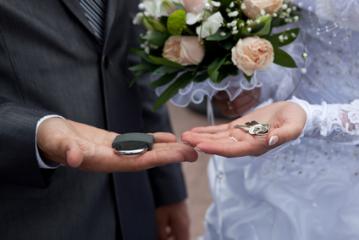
210,26
193,18
158,8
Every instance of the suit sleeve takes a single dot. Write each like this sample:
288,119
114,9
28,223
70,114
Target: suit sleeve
18,164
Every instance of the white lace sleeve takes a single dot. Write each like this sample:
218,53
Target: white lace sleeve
337,122
344,13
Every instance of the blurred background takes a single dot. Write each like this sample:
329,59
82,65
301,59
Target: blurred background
195,173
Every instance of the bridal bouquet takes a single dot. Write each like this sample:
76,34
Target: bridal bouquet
192,41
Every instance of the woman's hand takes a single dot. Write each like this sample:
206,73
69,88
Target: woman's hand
287,121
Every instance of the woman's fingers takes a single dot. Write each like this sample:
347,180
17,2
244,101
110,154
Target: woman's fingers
211,129
285,133
226,148
194,138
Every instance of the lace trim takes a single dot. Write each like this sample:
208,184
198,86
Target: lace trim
331,119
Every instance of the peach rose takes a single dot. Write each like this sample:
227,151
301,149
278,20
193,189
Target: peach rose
194,6
253,8
251,54
184,50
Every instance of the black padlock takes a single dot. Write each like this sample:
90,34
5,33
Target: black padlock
133,143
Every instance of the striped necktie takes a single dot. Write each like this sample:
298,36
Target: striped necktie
95,13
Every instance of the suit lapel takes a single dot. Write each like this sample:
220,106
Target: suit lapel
76,10
113,11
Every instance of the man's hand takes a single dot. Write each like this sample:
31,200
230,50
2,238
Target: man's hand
287,121
88,148
173,222
239,106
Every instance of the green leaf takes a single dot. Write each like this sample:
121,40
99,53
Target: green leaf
266,22
213,69
153,24
173,89
141,53
164,70
162,61
165,79
142,68
157,38
217,37
176,22
200,77
228,45
283,59
291,35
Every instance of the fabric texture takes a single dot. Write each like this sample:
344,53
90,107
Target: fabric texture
307,191
51,63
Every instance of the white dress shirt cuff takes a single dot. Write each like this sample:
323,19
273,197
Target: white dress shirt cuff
44,164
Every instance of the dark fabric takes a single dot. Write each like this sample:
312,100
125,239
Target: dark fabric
51,62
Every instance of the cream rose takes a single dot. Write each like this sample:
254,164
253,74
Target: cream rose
251,54
184,50
194,6
253,8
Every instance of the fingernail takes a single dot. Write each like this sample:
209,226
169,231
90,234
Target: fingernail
273,140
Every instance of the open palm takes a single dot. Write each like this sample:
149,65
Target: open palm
286,119
82,146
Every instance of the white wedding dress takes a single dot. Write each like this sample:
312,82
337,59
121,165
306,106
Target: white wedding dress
306,191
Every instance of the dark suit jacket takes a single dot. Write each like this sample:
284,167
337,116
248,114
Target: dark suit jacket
50,62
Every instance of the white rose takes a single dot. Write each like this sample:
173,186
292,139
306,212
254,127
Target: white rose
254,8
184,50
158,8
251,54
210,26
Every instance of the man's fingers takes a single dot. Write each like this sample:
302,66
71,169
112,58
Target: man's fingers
162,224
162,137
104,159
74,156
166,153
71,153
